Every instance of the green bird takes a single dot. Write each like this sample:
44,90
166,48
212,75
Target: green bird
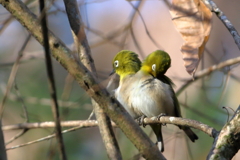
144,90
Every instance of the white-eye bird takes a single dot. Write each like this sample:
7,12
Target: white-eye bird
144,90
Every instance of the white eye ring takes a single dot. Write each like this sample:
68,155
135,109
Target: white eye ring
153,67
116,63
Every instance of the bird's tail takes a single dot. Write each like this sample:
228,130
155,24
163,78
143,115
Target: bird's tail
190,133
157,128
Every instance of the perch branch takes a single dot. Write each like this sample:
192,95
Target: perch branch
93,123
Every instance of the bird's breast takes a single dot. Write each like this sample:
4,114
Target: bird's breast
152,98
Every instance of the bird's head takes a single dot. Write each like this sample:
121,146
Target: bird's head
156,63
125,63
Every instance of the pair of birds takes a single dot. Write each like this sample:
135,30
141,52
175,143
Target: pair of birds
144,90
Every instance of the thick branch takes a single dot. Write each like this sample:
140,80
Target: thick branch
84,53
85,79
227,143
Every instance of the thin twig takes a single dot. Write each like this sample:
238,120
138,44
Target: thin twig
146,28
44,138
10,83
66,93
51,81
201,114
207,71
214,8
225,84
42,101
25,115
5,24
13,75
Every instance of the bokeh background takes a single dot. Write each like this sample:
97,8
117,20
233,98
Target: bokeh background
111,26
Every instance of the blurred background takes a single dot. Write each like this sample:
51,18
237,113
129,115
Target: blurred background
111,26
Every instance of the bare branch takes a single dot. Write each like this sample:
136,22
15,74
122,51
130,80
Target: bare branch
183,122
214,8
207,71
42,101
3,154
51,81
93,123
12,76
11,81
84,53
227,143
25,116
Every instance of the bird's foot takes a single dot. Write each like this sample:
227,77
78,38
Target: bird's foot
161,115
141,120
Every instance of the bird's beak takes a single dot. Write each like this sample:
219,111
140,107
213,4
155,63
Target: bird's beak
113,71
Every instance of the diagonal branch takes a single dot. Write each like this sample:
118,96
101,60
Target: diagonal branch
84,53
209,70
214,8
227,143
87,81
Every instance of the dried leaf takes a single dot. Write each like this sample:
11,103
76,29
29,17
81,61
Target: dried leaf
193,20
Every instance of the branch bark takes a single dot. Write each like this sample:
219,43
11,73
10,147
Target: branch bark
85,79
92,123
84,53
51,81
227,143
214,8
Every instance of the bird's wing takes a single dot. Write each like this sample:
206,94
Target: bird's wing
168,81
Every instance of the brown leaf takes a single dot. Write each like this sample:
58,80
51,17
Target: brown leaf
193,20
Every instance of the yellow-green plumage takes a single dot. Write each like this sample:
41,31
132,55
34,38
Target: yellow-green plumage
163,61
146,90
126,63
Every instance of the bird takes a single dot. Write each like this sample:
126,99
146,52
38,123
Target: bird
145,90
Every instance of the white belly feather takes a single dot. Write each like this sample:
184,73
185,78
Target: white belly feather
150,100
153,101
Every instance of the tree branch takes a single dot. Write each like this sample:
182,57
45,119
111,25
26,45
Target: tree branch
84,53
51,81
93,123
3,154
214,8
207,71
227,143
85,79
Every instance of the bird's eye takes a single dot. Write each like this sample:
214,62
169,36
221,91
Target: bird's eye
153,67
116,63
